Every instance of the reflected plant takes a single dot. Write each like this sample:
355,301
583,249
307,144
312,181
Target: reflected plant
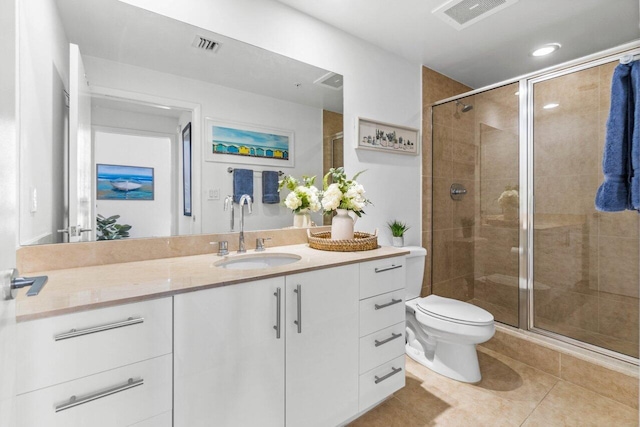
108,229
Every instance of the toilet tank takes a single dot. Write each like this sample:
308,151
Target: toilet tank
415,270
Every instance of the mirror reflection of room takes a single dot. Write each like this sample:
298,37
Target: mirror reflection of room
95,92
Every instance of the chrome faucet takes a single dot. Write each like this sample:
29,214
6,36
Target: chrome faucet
245,199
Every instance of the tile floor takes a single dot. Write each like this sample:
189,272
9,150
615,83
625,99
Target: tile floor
510,394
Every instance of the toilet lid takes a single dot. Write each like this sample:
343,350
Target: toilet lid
454,311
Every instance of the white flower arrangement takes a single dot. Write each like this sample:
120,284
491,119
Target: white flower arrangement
343,193
510,198
304,196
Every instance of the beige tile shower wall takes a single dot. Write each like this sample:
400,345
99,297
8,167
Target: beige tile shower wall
589,271
496,245
443,240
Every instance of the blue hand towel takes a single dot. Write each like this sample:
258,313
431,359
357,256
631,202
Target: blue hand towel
242,183
634,167
270,193
613,194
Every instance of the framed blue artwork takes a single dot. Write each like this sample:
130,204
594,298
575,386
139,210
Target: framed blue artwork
119,182
228,142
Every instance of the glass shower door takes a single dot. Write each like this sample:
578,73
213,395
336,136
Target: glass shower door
585,262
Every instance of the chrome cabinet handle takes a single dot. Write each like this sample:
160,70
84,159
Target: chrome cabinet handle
393,301
392,267
298,290
74,401
278,308
76,333
390,374
391,338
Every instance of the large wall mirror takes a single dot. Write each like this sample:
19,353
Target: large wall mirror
107,91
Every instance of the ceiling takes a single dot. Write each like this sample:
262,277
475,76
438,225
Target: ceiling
494,49
113,30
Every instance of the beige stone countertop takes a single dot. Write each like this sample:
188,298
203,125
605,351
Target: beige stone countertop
84,288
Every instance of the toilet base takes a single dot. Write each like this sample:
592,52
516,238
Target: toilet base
455,361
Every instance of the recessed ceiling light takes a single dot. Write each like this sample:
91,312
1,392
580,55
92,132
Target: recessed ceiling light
551,106
546,49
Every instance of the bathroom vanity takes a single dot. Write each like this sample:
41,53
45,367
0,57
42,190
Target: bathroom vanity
183,342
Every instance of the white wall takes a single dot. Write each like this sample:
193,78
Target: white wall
148,218
378,85
9,205
44,65
226,104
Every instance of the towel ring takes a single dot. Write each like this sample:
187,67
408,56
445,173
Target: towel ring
230,170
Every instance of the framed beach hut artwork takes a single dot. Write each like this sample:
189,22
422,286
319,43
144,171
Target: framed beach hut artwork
229,142
119,182
379,136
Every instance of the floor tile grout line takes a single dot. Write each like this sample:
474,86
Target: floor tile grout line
541,400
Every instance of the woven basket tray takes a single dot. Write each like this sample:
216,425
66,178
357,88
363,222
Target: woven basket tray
360,242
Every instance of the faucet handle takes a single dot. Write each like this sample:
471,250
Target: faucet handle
260,243
223,247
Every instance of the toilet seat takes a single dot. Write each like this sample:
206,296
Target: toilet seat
455,311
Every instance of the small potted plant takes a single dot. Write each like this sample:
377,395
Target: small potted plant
398,229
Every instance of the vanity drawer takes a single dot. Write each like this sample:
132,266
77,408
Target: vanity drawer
382,275
381,311
381,382
113,405
48,353
381,346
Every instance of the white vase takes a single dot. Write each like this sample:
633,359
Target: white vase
398,242
302,219
342,225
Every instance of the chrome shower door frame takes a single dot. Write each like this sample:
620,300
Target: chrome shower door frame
527,196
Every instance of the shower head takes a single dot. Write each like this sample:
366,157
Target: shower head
465,107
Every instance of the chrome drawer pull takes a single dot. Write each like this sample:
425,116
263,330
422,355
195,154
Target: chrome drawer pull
298,290
393,301
74,401
391,338
278,310
390,374
393,267
76,333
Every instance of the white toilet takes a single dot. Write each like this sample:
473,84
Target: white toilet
442,333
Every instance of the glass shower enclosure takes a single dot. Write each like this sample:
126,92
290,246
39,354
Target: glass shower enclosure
515,171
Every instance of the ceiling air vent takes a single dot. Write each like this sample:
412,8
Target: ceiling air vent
462,13
330,80
205,44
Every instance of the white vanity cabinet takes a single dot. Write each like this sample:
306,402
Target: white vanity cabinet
233,369
382,329
229,358
103,367
322,347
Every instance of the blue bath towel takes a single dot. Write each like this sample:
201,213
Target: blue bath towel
242,183
622,145
270,193
634,176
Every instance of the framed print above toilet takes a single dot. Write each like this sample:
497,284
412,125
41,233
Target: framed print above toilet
379,136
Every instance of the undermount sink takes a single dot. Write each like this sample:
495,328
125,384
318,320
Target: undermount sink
257,261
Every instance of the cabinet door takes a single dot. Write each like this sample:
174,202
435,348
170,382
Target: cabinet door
322,348
228,360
